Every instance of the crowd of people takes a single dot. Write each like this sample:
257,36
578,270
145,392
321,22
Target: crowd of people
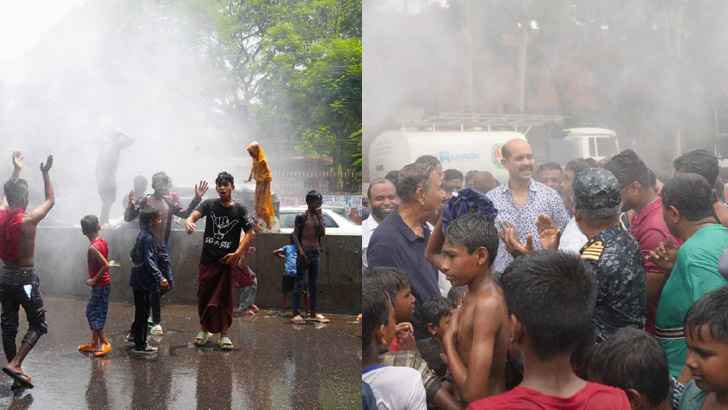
230,230
593,286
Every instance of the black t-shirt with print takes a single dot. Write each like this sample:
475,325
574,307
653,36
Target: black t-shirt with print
223,228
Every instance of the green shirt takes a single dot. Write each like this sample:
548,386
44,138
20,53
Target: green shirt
692,397
695,273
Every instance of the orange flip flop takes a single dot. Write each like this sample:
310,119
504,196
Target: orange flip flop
102,351
87,348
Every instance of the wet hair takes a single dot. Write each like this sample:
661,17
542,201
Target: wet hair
455,293
389,279
430,349
161,178
375,305
632,359
224,177
628,167
375,182
411,177
393,177
553,296
259,220
450,174
429,160
469,176
16,190
434,309
653,179
549,166
473,231
719,187
578,165
700,162
710,310
89,224
313,196
147,215
690,194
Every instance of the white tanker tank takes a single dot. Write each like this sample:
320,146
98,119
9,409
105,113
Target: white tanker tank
462,150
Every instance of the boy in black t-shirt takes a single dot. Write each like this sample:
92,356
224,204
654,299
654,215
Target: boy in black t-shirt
222,253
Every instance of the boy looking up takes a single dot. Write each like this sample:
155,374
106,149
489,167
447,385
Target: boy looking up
18,282
100,283
551,298
226,221
307,233
476,341
394,387
706,333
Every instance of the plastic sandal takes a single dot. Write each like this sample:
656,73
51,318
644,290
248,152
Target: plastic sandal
320,318
103,350
298,320
87,348
204,337
225,343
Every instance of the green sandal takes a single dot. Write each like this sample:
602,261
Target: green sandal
225,343
203,338
157,330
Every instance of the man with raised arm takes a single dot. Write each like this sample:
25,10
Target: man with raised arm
18,282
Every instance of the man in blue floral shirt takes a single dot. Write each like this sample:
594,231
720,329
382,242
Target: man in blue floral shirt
521,199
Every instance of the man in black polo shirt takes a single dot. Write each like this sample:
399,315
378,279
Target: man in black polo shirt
401,238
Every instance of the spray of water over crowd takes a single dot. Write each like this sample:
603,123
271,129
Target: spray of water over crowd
140,68
651,71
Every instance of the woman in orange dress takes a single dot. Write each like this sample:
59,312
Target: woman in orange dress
263,176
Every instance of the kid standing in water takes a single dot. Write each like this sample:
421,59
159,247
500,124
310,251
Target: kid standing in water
263,177
100,283
307,233
476,341
145,277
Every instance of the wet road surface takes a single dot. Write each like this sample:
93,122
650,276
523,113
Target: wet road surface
275,365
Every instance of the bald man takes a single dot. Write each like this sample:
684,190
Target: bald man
521,199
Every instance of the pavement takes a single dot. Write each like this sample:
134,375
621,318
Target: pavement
275,364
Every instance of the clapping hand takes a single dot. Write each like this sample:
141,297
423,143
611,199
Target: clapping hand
664,255
509,235
549,235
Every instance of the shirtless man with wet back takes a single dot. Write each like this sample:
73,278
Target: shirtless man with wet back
18,282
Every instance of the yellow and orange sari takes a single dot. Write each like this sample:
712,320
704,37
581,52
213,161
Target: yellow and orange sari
262,174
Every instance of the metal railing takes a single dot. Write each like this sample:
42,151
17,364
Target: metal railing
328,183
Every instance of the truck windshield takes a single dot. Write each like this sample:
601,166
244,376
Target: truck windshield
606,146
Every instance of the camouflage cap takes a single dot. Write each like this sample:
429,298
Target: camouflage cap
596,188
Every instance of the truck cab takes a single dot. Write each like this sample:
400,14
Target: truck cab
596,143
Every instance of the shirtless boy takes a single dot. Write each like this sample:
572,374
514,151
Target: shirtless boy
476,341
18,282
309,228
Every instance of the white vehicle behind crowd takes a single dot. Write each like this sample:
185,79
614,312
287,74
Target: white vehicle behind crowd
335,223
